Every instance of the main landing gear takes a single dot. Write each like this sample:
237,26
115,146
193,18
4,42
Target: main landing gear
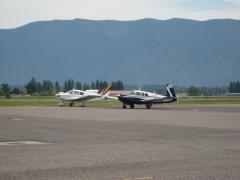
148,106
82,104
71,104
62,104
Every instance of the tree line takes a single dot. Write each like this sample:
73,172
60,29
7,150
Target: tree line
49,88
234,87
207,91
98,84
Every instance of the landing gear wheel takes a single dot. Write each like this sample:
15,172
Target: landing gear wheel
124,106
82,104
148,106
71,104
131,106
61,104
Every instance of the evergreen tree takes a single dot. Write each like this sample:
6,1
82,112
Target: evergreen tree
47,88
6,90
57,87
65,88
118,85
105,84
93,85
237,87
68,85
85,86
31,87
1,91
78,85
15,91
234,87
39,88
193,91
97,84
113,87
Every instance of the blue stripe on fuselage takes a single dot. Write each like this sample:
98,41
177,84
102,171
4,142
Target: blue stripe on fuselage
130,99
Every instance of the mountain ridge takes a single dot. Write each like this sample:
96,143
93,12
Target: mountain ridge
146,51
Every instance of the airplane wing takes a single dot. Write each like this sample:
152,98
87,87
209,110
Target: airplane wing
86,98
89,97
111,97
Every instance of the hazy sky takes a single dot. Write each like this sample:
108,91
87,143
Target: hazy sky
15,13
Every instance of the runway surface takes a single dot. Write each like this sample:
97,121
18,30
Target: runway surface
166,142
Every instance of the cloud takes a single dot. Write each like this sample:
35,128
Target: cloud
15,12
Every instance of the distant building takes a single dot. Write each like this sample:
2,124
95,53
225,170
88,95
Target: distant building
117,92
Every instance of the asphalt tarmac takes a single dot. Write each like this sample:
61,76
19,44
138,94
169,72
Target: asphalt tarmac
166,142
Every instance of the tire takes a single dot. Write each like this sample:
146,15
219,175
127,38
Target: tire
61,104
131,106
124,106
148,106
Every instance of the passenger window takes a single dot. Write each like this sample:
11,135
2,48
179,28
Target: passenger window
146,94
81,93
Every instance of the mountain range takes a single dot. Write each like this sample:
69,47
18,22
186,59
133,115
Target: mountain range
147,51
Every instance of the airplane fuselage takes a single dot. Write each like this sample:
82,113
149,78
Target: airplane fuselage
142,100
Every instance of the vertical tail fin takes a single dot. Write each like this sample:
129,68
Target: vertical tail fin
105,90
170,91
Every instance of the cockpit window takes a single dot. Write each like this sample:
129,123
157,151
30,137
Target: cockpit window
138,93
70,92
146,94
81,93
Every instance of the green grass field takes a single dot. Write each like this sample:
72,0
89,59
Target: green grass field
52,101
29,101
210,100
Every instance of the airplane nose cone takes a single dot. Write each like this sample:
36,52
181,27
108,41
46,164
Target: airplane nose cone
58,94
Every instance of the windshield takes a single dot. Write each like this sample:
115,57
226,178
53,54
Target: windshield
70,92
131,93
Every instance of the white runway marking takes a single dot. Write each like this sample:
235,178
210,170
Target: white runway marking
139,178
16,119
21,143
